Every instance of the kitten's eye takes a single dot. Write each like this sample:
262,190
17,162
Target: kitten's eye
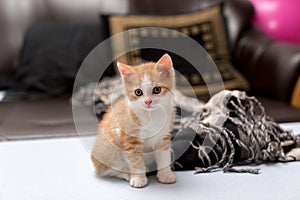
156,90
138,92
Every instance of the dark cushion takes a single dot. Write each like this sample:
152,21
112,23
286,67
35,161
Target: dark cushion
206,26
51,55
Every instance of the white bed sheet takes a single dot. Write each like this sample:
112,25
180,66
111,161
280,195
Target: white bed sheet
61,169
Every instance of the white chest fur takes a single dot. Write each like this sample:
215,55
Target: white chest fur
155,125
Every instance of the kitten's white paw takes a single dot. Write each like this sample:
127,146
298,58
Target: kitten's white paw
138,181
166,177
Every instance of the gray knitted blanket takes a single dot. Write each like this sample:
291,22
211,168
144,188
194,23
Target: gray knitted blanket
231,129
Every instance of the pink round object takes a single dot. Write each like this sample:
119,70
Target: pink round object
279,18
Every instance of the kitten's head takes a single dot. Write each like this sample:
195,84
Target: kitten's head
149,85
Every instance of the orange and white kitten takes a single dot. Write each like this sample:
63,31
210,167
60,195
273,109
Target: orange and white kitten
135,131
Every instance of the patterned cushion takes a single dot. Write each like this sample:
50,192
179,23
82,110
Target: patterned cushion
207,27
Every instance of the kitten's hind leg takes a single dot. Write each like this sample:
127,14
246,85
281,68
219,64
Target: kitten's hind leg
103,170
117,174
100,168
121,175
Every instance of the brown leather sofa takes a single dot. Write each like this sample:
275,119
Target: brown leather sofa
271,67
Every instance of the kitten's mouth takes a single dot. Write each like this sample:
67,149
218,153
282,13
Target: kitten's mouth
149,107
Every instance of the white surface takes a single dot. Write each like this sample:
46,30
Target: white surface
61,169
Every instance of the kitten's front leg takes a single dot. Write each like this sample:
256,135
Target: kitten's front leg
133,152
137,170
163,161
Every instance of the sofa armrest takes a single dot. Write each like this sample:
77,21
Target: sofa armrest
271,67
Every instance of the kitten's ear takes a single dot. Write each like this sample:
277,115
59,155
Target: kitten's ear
124,70
165,64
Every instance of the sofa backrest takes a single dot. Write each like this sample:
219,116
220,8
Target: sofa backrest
17,15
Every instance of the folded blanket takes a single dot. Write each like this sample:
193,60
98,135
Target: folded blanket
230,129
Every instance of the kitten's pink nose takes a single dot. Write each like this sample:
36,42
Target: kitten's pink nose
148,101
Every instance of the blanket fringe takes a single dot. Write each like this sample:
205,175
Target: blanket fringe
258,137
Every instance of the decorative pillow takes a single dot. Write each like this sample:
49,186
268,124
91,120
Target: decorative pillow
51,55
207,27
